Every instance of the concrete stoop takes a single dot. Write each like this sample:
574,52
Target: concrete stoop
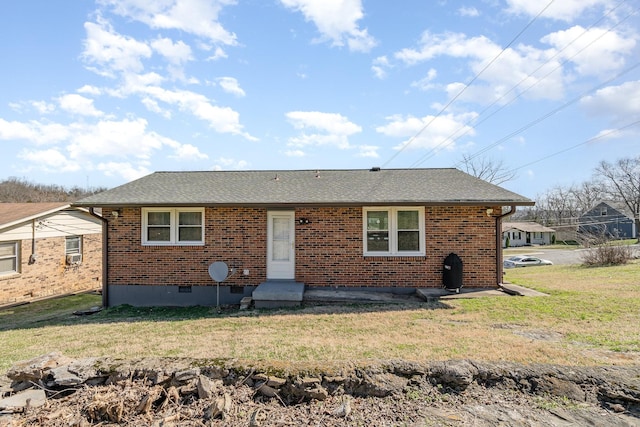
278,293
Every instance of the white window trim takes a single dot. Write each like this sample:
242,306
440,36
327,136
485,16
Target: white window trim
66,251
16,246
393,231
173,227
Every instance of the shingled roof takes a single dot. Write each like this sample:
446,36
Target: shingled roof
307,187
14,213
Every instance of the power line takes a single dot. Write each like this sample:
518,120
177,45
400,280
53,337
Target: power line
451,136
595,138
466,86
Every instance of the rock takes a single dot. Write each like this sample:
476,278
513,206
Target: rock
32,398
38,368
186,375
558,387
271,381
219,408
457,374
376,384
204,387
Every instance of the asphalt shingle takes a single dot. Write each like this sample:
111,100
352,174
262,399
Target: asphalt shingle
306,187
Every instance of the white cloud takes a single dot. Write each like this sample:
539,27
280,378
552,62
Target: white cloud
225,163
43,107
380,66
325,129
33,131
176,53
294,153
222,119
425,82
197,17
50,160
336,21
152,105
124,169
90,90
594,52
565,10
230,85
618,102
78,104
329,122
525,67
109,52
428,132
370,151
469,11
219,53
186,152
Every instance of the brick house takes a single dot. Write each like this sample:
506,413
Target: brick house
47,250
367,229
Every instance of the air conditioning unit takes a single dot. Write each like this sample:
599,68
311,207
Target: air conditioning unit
74,259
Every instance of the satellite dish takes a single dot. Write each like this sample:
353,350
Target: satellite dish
219,271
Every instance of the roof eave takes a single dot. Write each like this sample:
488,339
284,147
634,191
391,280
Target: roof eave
314,204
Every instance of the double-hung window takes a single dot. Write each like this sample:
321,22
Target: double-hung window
73,245
172,226
9,261
395,231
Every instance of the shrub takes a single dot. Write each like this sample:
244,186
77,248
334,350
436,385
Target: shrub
603,251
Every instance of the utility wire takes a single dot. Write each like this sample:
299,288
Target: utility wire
555,110
451,138
595,138
466,86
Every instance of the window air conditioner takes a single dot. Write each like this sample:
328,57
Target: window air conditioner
74,259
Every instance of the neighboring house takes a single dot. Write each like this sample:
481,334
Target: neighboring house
368,229
47,250
614,219
526,234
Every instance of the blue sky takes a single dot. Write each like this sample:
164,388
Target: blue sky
98,93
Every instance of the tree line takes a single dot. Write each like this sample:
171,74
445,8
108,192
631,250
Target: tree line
16,190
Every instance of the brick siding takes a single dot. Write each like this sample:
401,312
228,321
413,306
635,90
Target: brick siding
49,275
328,250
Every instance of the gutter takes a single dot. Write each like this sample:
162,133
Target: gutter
105,256
499,267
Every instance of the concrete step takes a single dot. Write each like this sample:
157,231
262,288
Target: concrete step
278,293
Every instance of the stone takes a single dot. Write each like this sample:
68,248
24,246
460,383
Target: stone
186,375
29,398
204,387
558,387
457,374
276,382
38,368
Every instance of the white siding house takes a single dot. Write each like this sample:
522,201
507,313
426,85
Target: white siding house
525,234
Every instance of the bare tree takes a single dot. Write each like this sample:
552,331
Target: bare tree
621,180
489,170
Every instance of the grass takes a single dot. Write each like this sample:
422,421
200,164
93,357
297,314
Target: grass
590,317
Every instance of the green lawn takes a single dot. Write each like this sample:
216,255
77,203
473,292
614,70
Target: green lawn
591,316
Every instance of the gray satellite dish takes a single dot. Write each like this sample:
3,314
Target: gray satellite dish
218,271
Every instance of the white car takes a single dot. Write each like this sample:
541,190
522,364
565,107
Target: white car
524,261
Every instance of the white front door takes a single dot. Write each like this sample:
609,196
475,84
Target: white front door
281,245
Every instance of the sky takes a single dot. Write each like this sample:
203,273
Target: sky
99,93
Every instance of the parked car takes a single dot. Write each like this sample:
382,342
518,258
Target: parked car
524,261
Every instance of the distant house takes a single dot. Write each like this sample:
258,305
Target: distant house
360,229
525,234
46,250
611,218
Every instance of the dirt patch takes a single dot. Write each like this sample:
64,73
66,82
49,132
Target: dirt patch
187,392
